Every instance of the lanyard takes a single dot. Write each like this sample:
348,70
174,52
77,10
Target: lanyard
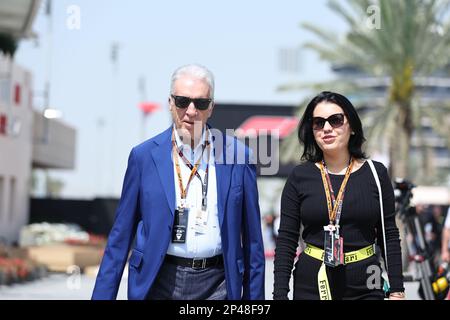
334,204
194,171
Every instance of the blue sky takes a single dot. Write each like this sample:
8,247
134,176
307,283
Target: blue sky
238,40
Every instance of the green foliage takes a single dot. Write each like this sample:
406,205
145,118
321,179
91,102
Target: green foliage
8,44
397,40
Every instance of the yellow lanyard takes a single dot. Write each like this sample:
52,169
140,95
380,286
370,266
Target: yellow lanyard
334,205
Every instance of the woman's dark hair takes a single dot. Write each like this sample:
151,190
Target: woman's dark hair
311,151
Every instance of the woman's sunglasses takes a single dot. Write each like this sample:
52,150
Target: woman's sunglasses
335,120
184,102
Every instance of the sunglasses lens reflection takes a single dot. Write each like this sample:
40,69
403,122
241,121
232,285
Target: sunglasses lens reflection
184,102
202,104
335,120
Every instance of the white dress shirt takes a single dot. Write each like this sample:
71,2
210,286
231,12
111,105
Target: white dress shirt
197,245
447,219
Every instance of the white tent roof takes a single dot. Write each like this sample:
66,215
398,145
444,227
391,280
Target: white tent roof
431,195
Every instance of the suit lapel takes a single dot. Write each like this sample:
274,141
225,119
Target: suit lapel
223,177
162,155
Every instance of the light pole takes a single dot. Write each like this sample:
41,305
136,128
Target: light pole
143,96
146,107
115,94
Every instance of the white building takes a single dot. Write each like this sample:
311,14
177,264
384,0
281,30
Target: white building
16,145
27,139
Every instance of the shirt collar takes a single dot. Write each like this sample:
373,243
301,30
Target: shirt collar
186,147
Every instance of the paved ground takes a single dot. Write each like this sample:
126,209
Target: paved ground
65,287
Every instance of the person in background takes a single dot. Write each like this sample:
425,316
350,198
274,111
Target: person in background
437,223
445,246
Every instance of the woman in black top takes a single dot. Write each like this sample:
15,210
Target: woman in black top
336,172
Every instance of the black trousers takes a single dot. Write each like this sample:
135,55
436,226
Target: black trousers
355,281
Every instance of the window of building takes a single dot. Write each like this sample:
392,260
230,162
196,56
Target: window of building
3,124
17,94
5,91
2,198
12,198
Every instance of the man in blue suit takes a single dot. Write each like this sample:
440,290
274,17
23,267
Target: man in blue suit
190,202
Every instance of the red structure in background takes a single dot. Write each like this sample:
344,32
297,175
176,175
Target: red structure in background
256,124
149,107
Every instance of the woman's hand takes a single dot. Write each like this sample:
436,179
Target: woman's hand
397,296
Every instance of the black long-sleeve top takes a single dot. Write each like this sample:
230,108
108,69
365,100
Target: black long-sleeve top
303,201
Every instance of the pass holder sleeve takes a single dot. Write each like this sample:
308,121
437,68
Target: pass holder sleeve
180,225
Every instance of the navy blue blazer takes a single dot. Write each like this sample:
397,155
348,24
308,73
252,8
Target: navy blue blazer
146,212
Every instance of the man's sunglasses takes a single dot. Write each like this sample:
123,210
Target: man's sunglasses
335,120
184,102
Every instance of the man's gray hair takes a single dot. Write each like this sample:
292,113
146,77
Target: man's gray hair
197,71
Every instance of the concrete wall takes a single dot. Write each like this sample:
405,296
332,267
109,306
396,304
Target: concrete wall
54,143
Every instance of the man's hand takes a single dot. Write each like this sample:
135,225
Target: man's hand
445,255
